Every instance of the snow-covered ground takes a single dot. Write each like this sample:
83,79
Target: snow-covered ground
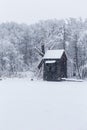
38,105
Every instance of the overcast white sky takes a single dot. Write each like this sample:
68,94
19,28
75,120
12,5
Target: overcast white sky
31,11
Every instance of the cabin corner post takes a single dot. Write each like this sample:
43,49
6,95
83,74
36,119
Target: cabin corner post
44,71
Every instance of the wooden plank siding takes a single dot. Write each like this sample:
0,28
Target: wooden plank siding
55,71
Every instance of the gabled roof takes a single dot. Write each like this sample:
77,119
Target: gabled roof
53,54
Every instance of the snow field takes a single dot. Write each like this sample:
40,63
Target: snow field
38,105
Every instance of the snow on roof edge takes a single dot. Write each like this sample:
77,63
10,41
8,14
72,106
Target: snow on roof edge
51,61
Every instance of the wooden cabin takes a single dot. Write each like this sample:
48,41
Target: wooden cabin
54,65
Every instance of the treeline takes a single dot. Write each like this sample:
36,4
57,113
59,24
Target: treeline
18,43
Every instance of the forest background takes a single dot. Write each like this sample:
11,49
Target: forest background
18,43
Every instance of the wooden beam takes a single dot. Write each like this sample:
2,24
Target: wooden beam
39,51
40,64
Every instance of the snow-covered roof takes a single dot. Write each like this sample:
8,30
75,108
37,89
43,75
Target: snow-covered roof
50,61
53,54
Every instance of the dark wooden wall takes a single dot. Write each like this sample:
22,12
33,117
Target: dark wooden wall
55,71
